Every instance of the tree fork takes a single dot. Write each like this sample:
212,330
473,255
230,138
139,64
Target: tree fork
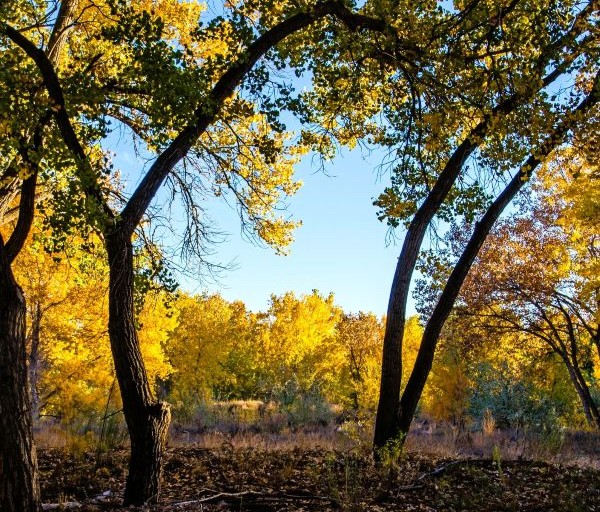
418,378
387,422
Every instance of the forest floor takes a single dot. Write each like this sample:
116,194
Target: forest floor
243,478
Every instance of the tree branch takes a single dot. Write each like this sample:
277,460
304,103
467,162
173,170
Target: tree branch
87,175
207,112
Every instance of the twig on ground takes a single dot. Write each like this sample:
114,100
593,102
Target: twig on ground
69,505
251,494
435,473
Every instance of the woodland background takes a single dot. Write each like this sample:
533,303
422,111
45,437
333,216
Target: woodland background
486,114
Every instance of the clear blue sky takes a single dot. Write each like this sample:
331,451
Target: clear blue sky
340,248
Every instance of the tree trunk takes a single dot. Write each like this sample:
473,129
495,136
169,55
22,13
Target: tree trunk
387,422
422,367
147,419
388,409
590,410
19,487
416,382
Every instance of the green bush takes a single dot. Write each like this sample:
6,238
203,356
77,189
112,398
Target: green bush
513,402
303,407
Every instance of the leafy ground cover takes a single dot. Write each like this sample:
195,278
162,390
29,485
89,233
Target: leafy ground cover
257,479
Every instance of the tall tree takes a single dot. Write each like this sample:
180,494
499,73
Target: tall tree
173,96
21,162
299,343
459,109
361,337
19,486
491,134
209,333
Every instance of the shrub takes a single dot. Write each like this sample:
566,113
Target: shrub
513,402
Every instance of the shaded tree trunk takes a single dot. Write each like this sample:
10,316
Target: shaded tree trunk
387,422
590,409
147,419
19,486
424,361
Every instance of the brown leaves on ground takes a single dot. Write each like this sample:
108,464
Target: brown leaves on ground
295,480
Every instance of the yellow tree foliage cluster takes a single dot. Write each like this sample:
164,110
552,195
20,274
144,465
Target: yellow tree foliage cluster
195,348
220,350
529,309
203,348
70,364
305,344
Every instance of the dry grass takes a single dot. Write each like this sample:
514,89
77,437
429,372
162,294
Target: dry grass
435,440
445,440
284,441
241,425
51,436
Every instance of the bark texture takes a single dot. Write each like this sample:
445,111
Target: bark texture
147,419
19,487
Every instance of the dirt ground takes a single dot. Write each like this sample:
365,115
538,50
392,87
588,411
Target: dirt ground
254,479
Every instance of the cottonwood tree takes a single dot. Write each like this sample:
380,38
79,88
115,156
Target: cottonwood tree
476,90
24,118
298,345
451,289
71,375
361,336
500,128
532,277
210,336
174,86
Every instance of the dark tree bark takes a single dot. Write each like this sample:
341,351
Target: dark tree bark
416,382
589,405
390,415
19,480
147,419
590,409
387,423
19,485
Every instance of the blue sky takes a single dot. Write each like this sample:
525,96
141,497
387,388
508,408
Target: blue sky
341,247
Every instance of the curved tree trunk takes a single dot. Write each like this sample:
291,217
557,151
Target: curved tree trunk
19,487
389,410
590,410
387,426
147,419
19,484
423,363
